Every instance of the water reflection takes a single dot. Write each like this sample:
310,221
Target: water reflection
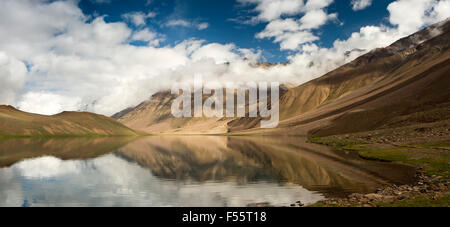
181,171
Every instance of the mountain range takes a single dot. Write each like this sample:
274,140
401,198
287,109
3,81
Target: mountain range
403,84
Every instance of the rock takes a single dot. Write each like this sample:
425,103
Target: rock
357,196
299,203
374,196
364,200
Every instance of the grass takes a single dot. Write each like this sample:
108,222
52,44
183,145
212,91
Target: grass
340,144
431,156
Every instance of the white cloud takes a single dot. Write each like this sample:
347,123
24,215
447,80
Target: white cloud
12,76
317,4
360,4
152,38
48,103
288,33
314,19
203,26
138,18
217,52
291,33
180,22
269,10
411,15
187,24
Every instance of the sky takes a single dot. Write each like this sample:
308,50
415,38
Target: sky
106,55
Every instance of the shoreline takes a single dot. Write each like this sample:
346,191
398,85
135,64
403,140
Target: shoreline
426,191
431,186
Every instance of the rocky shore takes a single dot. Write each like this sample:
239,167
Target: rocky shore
431,188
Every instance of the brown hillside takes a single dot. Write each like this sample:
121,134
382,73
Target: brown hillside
413,89
17,123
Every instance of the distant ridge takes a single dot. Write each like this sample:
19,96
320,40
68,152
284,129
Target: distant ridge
14,123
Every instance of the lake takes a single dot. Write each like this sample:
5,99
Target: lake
184,171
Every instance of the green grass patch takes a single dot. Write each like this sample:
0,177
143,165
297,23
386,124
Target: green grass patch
436,145
342,144
433,157
434,162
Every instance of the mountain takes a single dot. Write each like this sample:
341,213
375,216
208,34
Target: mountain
154,116
17,123
402,84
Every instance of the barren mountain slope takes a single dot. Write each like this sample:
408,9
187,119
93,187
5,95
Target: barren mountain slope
403,84
413,91
17,123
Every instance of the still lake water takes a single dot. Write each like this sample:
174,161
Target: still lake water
183,171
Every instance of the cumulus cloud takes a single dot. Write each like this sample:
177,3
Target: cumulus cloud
411,15
145,35
48,103
360,4
290,32
12,76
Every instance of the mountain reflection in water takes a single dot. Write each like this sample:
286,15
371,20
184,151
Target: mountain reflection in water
182,171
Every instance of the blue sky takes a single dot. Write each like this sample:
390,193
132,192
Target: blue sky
223,29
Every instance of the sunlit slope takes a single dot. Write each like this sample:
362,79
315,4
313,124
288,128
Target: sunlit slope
17,123
155,116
